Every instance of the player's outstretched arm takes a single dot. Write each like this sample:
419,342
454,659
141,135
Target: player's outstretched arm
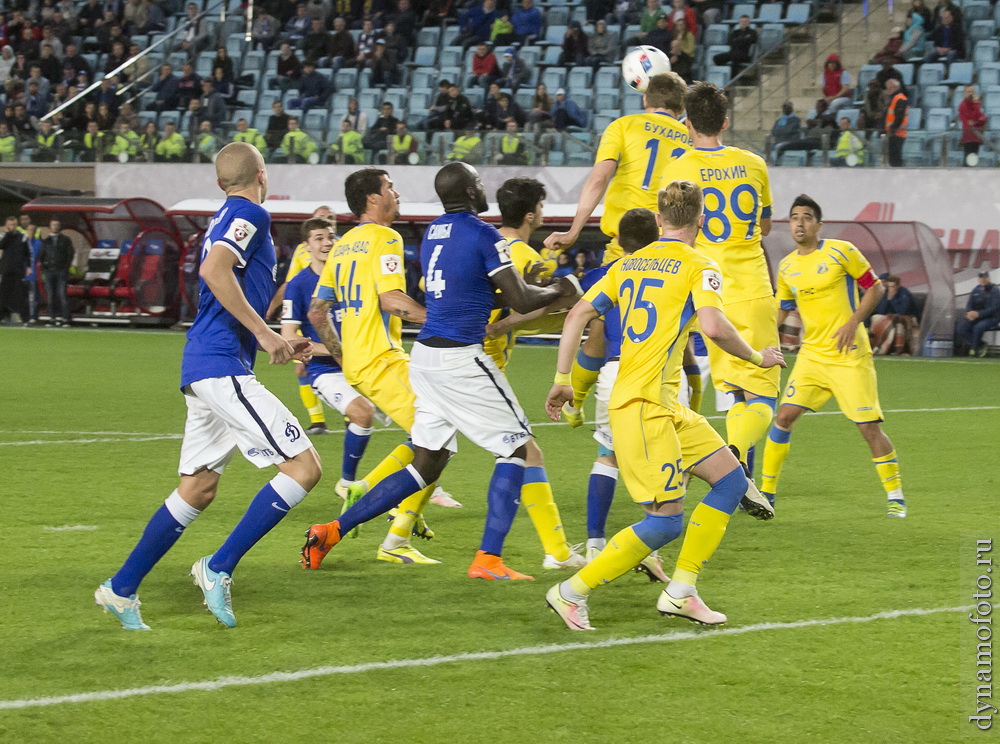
562,391
402,306
591,195
717,327
847,333
276,301
217,271
319,316
524,297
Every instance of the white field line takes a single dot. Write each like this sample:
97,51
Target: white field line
72,528
432,661
127,436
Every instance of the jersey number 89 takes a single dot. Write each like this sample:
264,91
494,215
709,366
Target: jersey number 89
718,224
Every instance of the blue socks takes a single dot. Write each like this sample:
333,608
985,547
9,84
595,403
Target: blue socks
355,442
162,531
600,494
387,494
502,502
727,492
268,507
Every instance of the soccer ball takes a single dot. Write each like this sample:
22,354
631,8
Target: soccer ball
641,64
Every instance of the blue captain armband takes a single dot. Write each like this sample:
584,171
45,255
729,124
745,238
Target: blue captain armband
788,304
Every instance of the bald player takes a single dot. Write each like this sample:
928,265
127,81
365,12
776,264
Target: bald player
228,410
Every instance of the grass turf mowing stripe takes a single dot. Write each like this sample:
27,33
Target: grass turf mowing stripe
328,671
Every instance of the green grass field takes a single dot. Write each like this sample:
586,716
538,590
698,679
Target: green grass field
90,428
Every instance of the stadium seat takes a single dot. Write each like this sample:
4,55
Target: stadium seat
938,120
253,61
987,50
602,122
851,114
768,13
525,98
934,96
797,13
203,65
551,55
979,31
451,56
248,97
959,73
347,79
988,74
267,99
530,55
579,13
770,37
906,70
740,9
424,78
991,99
584,99
316,119
339,101
235,44
429,36
717,33
554,78
866,74
718,75
557,16
915,153
797,158
554,34
976,10
607,99
369,99
580,78
931,73
419,101
260,121
424,56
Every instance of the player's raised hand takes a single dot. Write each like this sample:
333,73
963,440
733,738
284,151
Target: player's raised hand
558,395
278,349
772,357
561,240
845,336
533,275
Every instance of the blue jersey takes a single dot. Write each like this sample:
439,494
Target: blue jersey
612,318
217,344
298,296
458,255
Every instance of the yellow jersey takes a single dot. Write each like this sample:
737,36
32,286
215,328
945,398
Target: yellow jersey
300,259
659,288
643,144
363,264
737,194
823,284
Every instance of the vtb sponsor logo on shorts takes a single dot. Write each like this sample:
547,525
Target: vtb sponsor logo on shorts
515,437
254,451
292,432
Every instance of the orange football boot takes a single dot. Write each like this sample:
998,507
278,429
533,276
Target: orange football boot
492,568
320,539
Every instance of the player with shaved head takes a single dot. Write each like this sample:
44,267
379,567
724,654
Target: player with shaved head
228,410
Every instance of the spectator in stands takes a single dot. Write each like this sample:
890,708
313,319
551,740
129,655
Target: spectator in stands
93,144
51,65
205,144
105,119
574,46
404,147
437,112
540,115
437,11
48,144
982,312
468,148
951,7
647,21
741,41
298,25
947,40
565,112
127,116
894,323
6,63
171,148
836,83
887,73
513,148
970,114
86,115
385,72
165,89
316,44
913,38
502,28
527,22
289,68
892,51
298,145
897,115
223,85
405,21
786,128
213,105
366,42
88,18
188,85
487,115
342,49
603,46
27,45
135,16
377,137
245,133
148,141
264,31
396,44
74,60
507,111
349,147
277,125
484,66
195,36
56,257
314,87
137,71
662,37
820,133
223,60
918,8
680,11
848,144
564,265
35,106
681,60
458,114
476,23
35,76
124,142
15,254
513,70
356,119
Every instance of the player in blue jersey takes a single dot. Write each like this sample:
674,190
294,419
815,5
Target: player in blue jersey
458,387
323,371
228,410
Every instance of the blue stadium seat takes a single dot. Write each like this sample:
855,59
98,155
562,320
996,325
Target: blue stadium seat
718,75
429,36
316,119
989,74
260,120
976,10
554,34
851,114
347,79
608,78
602,121
266,99
419,101
554,78
424,78
580,78
740,9
770,36
934,96
369,99
991,99
253,61
531,55
339,101
866,74
235,44
794,158
959,73
797,13
449,35
557,16
987,50
607,99
931,73
584,99
525,98
768,13
938,120
551,55
717,33
915,153
424,56
203,65
979,31
248,97
451,56
906,70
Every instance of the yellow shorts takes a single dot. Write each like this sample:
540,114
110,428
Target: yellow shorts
612,251
852,383
757,322
655,446
386,383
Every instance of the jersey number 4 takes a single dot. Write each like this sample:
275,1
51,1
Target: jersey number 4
434,283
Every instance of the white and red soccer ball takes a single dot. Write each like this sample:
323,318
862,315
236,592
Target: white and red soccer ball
641,63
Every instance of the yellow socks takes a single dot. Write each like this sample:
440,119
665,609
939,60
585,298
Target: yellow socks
584,375
775,452
536,496
406,515
887,467
623,553
396,460
704,533
747,423
311,401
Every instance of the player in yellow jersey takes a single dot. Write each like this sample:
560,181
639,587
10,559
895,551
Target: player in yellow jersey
300,260
364,275
521,201
634,150
737,215
822,279
661,290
